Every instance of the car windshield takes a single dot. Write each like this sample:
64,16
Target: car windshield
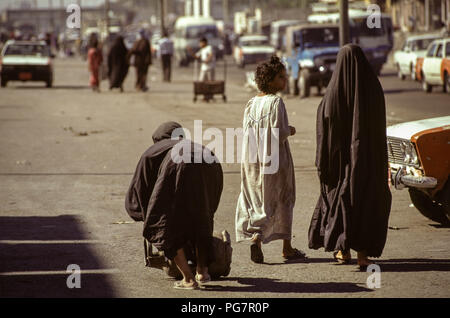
318,37
199,31
27,49
255,42
421,44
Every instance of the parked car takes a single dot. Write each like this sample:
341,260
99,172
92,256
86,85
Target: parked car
419,159
252,49
26,61
311,52
413,48
434,68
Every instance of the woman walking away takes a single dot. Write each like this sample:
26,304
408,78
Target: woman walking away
177,200
95,60
265,206
351,157
117,64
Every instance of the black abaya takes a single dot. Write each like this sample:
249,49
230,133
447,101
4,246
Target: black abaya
176,201
117,63
353,209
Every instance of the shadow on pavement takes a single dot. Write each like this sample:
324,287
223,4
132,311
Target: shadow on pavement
36,251
401,90
414,265
53,87
268,285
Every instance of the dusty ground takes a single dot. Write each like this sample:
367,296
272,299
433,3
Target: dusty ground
67,157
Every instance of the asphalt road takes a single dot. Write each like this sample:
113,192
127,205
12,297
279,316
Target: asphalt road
68,155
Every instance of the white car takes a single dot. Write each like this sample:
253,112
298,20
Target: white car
435,69
252,49
413,48
26,61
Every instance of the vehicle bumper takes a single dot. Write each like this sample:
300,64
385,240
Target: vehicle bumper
26,74
318,78
402,177
255,58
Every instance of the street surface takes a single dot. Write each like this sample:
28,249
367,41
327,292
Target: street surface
67,157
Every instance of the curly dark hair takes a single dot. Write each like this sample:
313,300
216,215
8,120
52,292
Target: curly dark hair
266,72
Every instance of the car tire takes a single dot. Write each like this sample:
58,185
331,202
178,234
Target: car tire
425,86
4,83
49,83
400,75
428,207
413,72
293,86
446,83
303,84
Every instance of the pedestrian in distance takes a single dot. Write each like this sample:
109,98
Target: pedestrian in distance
207,61
265,206
118,64
95,60
176,200
353,208
166,52
141,51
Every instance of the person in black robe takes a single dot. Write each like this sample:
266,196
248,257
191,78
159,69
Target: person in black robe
351,157
141,51
177,201
117,64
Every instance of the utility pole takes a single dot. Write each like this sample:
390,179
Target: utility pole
107,18
225,11
344,37
163,14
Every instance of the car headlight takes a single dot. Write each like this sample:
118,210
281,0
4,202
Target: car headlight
306,63
409,153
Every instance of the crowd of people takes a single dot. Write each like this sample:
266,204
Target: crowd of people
177,201
119,59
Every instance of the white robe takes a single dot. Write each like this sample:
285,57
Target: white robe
266,202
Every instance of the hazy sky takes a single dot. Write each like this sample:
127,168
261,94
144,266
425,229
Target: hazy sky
45,3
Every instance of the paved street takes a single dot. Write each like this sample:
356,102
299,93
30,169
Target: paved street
67,157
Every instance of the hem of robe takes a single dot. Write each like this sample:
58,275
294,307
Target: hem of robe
273,237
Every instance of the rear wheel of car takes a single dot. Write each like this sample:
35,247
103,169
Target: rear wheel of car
4,83
446,82
303,83
413,72
428,207
293,86
425,86
399,73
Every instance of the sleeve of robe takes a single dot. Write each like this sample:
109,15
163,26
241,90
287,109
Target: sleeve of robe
279,119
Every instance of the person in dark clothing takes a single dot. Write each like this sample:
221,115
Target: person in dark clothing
177,200
117,64
142,60
351,157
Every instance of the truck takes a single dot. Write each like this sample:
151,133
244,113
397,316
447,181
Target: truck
310,58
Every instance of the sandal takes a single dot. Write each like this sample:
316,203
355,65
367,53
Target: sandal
181,285
256,254
204,280
342,258
297,254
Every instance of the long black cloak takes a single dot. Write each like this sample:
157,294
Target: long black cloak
351,158
117,63
176,201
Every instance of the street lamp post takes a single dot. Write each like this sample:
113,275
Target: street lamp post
344,37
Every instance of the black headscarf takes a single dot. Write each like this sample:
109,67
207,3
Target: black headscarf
176,200
351,158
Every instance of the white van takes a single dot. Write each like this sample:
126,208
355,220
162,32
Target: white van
187,34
